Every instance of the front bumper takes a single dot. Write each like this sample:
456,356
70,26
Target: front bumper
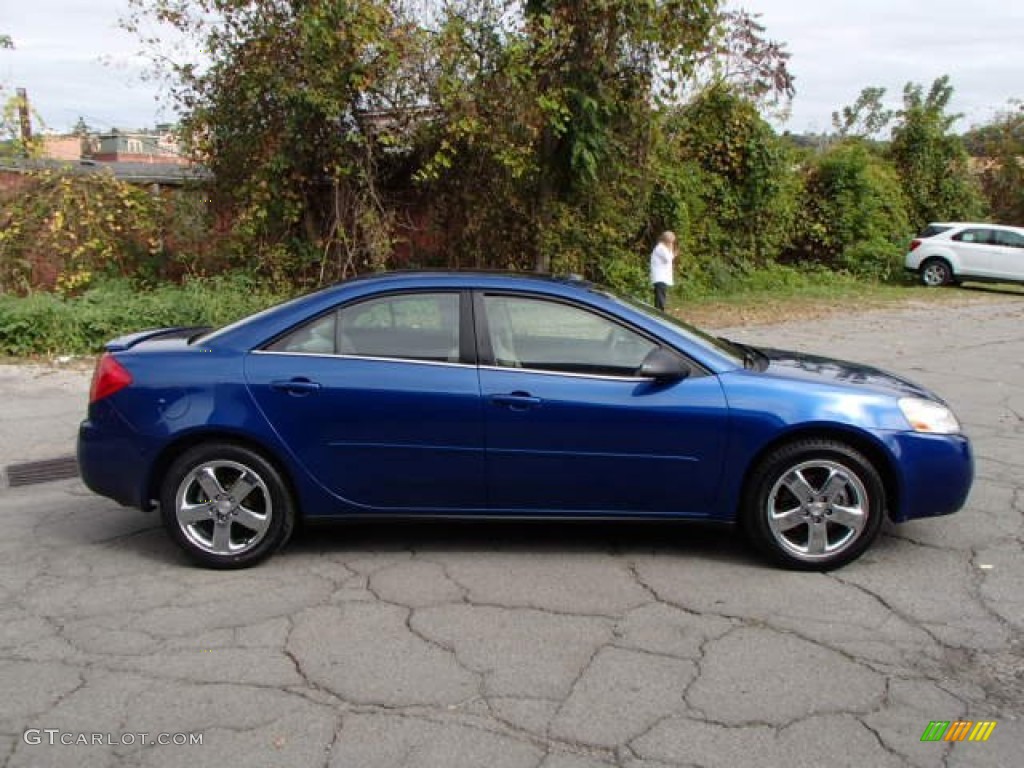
934,474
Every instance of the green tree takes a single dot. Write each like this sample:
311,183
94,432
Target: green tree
931,159
739,57
291,118
867,117
529,130
558,96
999,149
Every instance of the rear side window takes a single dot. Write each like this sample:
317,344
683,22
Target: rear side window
316,337
933,229
976,236
414,326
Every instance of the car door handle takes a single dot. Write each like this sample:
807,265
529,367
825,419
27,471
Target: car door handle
517,401
297,387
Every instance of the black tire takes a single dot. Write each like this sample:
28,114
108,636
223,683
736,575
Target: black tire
201,513
813,505
936,272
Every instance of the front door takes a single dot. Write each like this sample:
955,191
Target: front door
1008,255
572,429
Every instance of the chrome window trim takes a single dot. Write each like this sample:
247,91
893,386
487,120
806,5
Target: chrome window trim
508,369
363,357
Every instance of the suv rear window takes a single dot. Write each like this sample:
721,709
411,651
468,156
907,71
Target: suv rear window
933,229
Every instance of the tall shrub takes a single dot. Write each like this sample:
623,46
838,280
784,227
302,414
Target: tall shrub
854,212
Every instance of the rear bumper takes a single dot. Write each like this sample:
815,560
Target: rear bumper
111,459
935,474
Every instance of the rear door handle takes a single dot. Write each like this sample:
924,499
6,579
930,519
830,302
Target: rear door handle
516,401
297,387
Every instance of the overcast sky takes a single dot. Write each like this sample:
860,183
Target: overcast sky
74,60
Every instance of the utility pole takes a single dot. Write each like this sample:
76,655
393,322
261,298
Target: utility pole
25,118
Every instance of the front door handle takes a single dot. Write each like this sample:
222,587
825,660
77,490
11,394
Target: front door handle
297,387
516,401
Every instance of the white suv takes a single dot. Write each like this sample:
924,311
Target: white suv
947,253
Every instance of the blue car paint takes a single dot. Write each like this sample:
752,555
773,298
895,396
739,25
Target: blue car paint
399,437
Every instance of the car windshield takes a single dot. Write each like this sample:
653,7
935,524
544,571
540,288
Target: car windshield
733,351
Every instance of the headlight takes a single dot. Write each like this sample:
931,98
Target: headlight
929,416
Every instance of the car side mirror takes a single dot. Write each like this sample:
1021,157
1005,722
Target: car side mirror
664,366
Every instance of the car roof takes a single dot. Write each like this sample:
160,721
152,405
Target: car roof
466,277
973,224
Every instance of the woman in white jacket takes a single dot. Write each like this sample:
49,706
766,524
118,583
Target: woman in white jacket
662,256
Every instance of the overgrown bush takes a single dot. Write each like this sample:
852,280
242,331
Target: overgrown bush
854,213
728,179
63,229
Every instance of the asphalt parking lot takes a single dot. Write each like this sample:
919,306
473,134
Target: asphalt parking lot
541,646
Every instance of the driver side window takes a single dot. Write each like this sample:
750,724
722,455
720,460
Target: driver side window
551,336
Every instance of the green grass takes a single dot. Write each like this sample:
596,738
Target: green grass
778,294
46,324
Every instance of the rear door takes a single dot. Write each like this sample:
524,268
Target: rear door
572,429
380,401
975,248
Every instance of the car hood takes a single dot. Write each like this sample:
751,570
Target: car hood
785,363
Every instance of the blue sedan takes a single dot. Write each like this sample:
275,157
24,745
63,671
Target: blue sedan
483,395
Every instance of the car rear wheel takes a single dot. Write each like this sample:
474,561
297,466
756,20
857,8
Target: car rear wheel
813,504
226,505
936,272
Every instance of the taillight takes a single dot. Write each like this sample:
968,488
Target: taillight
109,377
914,244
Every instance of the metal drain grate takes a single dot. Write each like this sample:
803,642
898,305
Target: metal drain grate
48,470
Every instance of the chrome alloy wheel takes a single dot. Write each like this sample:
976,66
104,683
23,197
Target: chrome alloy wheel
817,509
223,507
935,274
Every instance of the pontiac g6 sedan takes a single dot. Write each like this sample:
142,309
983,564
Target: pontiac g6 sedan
501,396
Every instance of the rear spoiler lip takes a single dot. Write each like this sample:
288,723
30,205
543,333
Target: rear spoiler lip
122,343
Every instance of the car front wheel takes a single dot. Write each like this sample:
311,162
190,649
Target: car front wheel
935,273
226,505
814,504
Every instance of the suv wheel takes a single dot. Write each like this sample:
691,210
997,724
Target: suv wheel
936,272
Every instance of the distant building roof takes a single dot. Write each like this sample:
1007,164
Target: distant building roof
134,173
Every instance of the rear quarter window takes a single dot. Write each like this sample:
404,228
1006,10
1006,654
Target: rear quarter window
976,236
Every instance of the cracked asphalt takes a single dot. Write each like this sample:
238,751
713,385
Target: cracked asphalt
529,645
